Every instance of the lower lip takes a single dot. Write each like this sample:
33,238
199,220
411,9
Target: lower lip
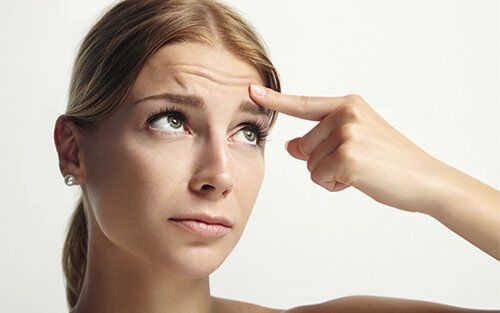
203,229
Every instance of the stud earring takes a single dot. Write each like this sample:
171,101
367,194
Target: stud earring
69,179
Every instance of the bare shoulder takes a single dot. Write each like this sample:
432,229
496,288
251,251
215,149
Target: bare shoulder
378,304
230,306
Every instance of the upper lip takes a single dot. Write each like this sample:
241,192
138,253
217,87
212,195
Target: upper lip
204,218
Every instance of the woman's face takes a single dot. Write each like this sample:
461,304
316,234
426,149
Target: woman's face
138,174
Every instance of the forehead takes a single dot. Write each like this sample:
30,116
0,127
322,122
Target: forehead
184,63
195,74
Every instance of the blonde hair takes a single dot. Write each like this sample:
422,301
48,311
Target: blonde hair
109,60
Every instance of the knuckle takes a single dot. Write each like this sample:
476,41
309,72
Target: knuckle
346,132
346,175
354,98
345,154
352,113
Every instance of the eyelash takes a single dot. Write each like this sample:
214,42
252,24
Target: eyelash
258,126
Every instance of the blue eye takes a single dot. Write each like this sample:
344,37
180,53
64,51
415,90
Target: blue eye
175,119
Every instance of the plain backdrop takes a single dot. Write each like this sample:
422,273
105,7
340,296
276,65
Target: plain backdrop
430,68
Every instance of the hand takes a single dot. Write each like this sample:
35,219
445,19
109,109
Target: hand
353,145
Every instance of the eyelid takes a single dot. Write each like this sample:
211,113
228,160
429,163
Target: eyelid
175,109
258,124
172,109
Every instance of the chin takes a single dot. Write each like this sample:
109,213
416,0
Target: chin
193,262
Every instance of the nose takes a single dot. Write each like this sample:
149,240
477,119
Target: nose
213,178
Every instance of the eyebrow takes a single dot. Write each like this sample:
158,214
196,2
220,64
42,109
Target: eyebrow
198,103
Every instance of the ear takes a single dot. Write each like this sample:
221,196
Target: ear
67,138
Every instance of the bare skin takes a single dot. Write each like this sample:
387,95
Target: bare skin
135,176
344,150
353,146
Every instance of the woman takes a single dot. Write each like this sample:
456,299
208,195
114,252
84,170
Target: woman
166,140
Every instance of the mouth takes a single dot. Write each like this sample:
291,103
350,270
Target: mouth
202,228
205,218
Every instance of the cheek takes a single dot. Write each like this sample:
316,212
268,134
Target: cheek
248,182
132,187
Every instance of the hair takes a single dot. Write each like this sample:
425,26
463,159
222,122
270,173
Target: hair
109,60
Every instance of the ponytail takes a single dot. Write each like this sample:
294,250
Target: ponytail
74,257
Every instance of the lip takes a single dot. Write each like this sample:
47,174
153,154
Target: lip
202,228
205,218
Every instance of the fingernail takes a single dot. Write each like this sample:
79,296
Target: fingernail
259,90
286,144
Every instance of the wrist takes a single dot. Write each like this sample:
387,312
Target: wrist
452,189
443,189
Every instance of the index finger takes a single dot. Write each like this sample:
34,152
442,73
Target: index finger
306,107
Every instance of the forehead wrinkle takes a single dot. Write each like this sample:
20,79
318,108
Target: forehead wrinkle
246,105
177,73
224,78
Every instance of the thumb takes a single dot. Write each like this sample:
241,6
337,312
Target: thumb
292,146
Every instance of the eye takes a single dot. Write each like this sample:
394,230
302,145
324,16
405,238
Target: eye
254,131
173,119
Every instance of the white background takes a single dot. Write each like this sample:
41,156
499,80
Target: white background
430,68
